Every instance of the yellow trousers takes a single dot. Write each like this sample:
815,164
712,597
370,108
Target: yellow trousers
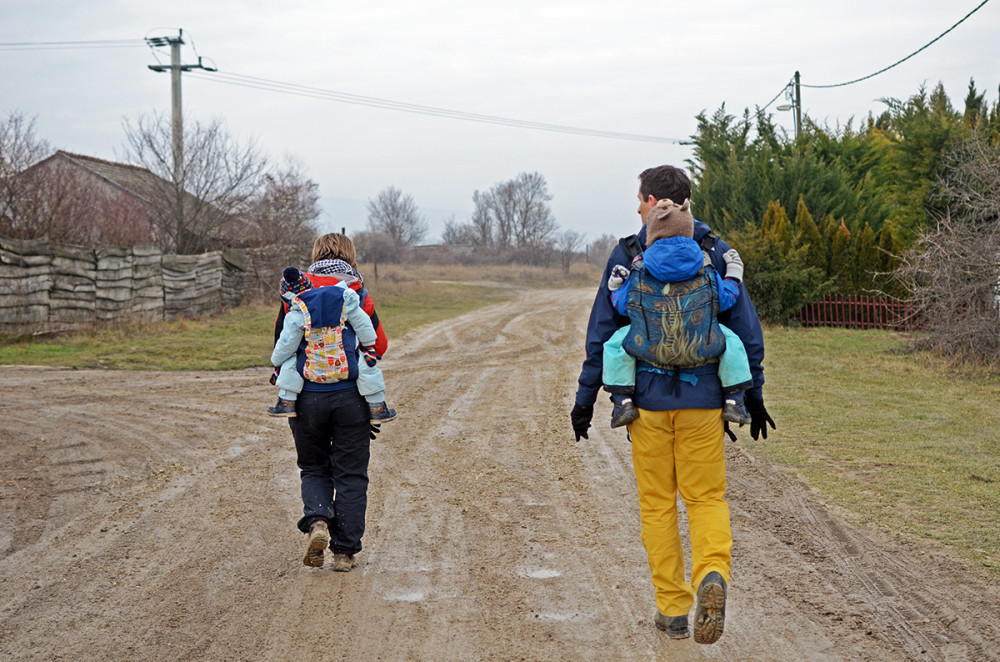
681,451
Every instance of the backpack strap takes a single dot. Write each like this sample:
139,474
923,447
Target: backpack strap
708,241
631,246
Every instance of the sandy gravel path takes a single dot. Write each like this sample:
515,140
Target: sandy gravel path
150,516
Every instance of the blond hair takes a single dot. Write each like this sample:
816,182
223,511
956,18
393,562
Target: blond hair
334,246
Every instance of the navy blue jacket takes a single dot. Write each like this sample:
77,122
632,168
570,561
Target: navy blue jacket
652,389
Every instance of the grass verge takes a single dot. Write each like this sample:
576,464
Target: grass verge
902,440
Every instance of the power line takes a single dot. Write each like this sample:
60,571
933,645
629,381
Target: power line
343,97
254,82
55,45
780,92
922,48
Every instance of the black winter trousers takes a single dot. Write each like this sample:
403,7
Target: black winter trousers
331,440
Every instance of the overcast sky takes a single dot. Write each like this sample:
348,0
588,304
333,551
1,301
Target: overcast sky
631,67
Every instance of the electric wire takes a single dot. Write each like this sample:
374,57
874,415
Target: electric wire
56,45
780,92
885,69
254,82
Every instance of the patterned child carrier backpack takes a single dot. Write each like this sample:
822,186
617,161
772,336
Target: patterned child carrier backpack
322,358
674,325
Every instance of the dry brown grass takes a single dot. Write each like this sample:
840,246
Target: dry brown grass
396,278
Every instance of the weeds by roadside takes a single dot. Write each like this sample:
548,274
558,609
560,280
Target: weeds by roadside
905,441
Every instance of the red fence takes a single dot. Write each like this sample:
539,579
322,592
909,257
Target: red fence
861,312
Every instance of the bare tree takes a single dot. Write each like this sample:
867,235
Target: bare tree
285,211
600,249
62,203
482,223
515,213
953,271
19,148
217,181
396,214
459,234
567,244
972,180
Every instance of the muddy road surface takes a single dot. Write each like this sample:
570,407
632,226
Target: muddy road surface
151,516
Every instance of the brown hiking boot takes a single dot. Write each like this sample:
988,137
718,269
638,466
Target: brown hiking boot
710,612
344,562
319,538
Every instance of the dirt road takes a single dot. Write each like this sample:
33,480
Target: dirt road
150,516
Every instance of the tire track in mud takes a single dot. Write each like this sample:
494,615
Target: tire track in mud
874,583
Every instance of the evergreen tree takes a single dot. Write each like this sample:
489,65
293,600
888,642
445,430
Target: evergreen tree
780,282
808,236
776,228
881,178
840,258
975,107
865,259
920,131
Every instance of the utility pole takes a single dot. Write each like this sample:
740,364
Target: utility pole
798,108
175,68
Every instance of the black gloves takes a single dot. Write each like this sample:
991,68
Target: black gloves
759,418
725,428
373,430
580,418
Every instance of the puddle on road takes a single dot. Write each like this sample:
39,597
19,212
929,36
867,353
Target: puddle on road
539,573
234,452
550,617
415,596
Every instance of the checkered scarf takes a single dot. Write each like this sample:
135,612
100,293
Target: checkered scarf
335,268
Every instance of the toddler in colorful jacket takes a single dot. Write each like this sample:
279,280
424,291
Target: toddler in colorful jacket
370,381
673,256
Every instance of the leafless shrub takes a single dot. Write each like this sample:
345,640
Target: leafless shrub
283,213
377,247
953,270
54,200
568,242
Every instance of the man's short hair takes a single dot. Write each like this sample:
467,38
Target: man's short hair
665,182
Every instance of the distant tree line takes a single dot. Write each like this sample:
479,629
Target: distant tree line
511,223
